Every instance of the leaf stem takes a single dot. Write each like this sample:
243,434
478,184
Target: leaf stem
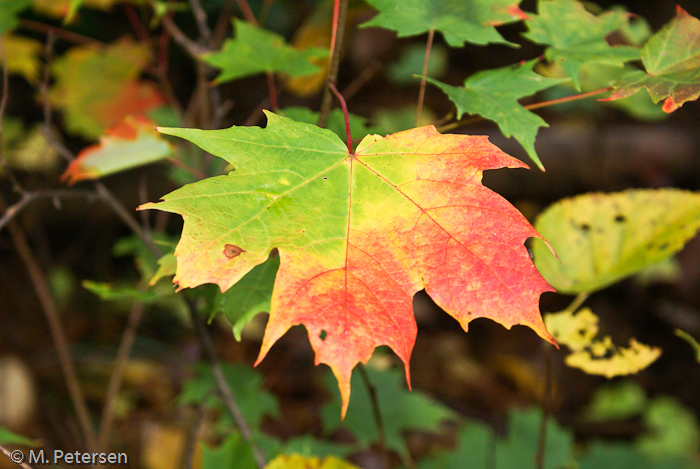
345,115
272,90
376,412
578,301
339,19
552,102
426,61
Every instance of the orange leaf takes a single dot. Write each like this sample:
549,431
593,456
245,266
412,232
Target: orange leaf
129,144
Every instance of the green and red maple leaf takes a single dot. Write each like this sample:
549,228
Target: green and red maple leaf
358,234
671,58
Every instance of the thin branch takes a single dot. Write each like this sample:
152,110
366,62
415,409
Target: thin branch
12,455
377,414
115,379
191,47
41,287
426,61
223,387
200,17
247,12
188,453
552,102
361,80
64,34
135,21
29,197
340,14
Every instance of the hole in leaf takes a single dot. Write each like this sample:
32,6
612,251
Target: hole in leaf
323,335
325,177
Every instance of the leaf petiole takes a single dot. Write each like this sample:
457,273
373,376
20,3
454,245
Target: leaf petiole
345,115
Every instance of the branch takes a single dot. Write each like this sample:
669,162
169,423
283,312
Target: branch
48,305
340,14
224,389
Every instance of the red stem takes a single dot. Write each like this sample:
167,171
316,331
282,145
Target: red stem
336,8
345,114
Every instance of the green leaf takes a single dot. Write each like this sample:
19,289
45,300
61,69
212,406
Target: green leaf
234,451
617,401
520,446
400,408
461,21
250,296
672,61
603,238
246,385
474,444
494,95
255,50
110,292
673,429
627,456
8,437
476,449
582,40
639,106
8,13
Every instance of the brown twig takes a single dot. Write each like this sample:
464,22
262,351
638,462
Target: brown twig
200,17
188,453
41,287
64,34
247,12
339,19
115,379
29,197
223,387
191,47
426,61
546,398
376,412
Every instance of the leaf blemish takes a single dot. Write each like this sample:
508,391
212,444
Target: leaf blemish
323,335
231,251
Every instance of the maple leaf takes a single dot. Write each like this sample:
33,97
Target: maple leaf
471,21
358,234
494,94
582,40
129,144
255,50
97,88
672,61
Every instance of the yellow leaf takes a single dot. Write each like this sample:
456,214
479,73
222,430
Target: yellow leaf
575,330
22,56
621,360
296,461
